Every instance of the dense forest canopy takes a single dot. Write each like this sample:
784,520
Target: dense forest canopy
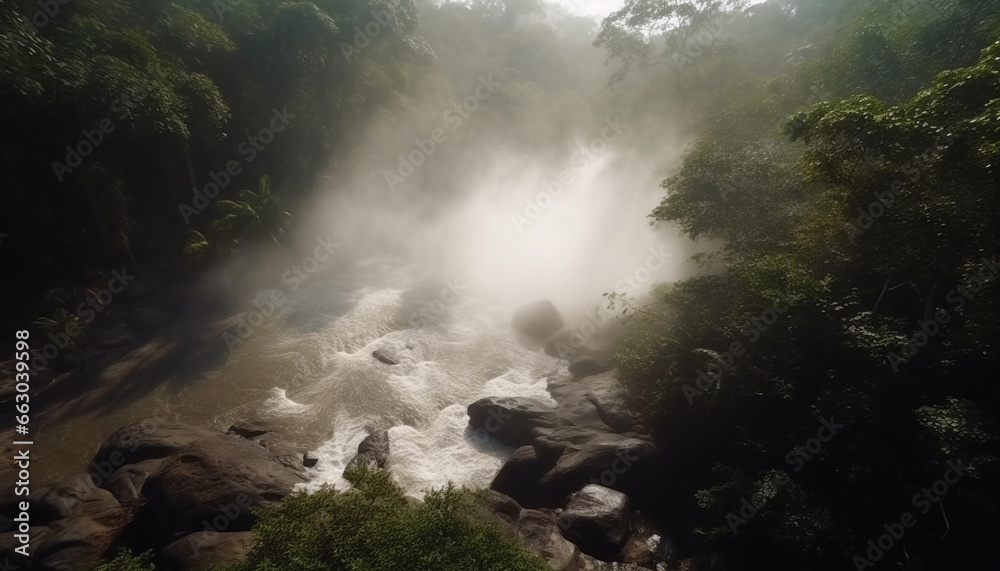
837,159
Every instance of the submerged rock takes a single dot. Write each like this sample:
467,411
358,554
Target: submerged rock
386,357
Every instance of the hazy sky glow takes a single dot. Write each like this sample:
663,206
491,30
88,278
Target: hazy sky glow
601,8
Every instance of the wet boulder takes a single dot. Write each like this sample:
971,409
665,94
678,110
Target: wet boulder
597,520
215,480
511,420
584,367
207,550
373,452
385,356
538,321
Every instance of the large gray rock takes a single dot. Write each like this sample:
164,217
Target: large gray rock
586,438
77,498
563,461
126,483
538,321
567,345
213,482
264,433
373,452
597,520
152,483
584,367
140,441
511,421
73,541
601,393
207,549
538,531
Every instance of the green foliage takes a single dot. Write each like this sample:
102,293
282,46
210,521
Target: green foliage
374,527
125,561
57,324
856,192
254,215
632,33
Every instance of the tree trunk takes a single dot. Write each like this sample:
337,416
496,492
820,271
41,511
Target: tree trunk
881,296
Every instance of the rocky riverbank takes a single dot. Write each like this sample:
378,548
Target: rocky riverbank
580,488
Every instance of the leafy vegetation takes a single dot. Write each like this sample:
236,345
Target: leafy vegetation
853,220
842,165
374,526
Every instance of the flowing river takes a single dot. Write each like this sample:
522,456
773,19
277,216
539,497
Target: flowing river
309,367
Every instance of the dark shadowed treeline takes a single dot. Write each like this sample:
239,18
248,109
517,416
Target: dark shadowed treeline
819,390
826,389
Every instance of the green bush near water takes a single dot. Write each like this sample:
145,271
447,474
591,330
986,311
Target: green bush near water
375,527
